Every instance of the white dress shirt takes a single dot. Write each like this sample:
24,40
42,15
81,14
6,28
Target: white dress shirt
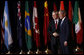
57,21
63,20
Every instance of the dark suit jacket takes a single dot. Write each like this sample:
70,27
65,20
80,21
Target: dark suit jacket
64,30
52,28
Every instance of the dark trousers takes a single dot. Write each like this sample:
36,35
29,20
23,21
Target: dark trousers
54,45
64,49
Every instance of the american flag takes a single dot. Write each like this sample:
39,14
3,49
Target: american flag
19,13
19,25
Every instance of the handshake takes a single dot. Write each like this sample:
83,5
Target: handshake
55,34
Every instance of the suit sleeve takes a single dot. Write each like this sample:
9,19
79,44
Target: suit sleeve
67,30
49,29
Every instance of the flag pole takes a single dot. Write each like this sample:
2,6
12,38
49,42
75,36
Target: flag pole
77,48
38,51
8,52
29,52
47,51
21,52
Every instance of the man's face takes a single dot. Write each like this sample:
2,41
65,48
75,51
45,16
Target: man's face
61,15
57,16
54,16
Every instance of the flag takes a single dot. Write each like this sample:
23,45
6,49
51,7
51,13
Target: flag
28,34
46,22
61,5
7,28
78,23
54,6
19,24
36,26
70,16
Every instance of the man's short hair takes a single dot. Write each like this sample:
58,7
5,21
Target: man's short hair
56,12
62,11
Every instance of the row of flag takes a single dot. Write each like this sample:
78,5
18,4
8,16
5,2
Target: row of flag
19,25
28,34
6,34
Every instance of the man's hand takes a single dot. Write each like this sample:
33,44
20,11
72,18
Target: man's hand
55,34
65,43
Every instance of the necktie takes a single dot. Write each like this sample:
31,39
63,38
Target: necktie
56,24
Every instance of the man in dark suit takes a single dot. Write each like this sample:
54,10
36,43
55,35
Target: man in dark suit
53,30
64,32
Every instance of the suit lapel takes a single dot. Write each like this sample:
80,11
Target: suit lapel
53,25
58,24
63,22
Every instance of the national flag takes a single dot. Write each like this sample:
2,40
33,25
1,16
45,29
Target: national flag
70,16
46,23
19,24
61,5
7,28
78,23
28,34
36,26
54,6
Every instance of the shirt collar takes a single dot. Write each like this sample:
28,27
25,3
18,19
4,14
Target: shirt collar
63,18
56,20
